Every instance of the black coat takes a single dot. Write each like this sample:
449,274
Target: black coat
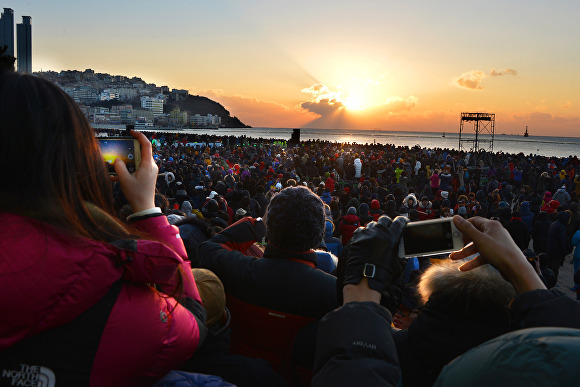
354,346
441,332
519,233
558,243
540,233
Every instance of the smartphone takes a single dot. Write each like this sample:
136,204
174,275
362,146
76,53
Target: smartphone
124,148
430,237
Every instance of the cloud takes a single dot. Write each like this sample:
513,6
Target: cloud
323,106
499,73
397,104
567,105
323,101
470,80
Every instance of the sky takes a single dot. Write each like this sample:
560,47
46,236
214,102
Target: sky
366,64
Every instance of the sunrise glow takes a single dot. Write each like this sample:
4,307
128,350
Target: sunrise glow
348,70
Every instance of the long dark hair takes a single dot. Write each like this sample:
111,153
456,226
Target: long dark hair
51,167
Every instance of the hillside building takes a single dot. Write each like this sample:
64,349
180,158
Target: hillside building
207,121
154,104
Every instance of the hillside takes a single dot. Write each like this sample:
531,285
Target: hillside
85,87
196,104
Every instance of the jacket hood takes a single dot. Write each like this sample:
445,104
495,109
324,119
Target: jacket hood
525,208
412,197
563,216
364,209
351,218
329,229
375,204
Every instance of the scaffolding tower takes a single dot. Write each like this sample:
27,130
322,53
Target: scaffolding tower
483,124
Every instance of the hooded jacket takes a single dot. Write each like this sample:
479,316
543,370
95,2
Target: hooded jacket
410,197
540,233
365,216
348,224
332,244
558,245
343,357
551,207
527,216
357,168
84,309
562,196
375,211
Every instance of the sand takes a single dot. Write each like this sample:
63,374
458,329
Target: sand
566,277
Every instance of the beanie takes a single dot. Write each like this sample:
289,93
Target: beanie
295,219
210,209
351,211
211,291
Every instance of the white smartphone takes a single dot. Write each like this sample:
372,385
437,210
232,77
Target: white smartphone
430,237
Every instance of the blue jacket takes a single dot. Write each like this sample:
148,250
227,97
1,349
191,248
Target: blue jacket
527,216
334,245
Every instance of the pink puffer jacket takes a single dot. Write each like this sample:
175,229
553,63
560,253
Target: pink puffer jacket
48,279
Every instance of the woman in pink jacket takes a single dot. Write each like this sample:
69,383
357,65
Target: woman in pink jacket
86,300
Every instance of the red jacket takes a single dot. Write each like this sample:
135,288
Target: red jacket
348,224
50,279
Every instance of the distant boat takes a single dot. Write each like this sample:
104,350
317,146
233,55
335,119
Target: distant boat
443,134
526,134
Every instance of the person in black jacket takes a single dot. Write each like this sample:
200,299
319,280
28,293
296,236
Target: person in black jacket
558,243
540,232
456,317
355,345
285,281
518,230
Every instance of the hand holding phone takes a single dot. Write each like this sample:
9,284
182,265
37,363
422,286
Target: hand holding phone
125,148
496,247
139,187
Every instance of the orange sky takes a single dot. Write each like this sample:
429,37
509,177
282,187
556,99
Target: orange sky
334,64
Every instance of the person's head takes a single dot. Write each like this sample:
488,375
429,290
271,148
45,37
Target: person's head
211,291
295,219
50,162
481,290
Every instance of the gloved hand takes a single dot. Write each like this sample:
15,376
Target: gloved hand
374,254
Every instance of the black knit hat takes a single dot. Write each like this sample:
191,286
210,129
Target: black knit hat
295,219
210,209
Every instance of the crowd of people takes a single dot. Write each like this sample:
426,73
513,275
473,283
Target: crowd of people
232,260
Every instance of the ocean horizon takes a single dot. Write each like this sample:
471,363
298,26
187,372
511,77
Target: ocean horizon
508,143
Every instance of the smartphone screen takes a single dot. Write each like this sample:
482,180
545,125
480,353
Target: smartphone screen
428,237
123,149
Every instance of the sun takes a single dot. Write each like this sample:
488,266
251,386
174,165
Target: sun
354,102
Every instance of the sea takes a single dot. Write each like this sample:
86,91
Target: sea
507,143
537,145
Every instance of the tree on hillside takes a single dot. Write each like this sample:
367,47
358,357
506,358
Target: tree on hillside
6,61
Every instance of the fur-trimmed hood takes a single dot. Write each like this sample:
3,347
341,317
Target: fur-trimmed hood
412,197
482,287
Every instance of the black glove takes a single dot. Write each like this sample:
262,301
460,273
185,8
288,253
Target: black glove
374,254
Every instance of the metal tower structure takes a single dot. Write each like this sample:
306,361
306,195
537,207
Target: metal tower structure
483,124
